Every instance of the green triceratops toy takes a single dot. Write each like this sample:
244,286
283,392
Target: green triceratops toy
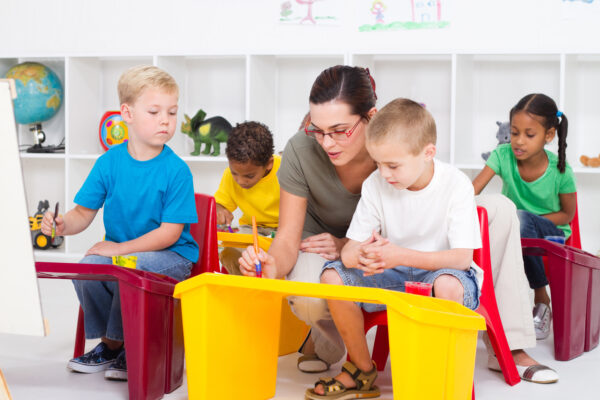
212,132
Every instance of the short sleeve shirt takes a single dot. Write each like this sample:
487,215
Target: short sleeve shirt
540,196
306,171
140,195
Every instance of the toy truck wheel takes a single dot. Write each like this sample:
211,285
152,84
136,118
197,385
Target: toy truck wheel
58,240
41,241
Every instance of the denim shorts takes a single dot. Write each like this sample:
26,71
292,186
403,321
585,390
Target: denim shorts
394,278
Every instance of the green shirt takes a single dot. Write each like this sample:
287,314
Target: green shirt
539,197
306,171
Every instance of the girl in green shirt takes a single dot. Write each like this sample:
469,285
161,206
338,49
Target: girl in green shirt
540,183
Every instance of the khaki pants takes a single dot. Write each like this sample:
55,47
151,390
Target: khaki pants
329,345
229,255
510,283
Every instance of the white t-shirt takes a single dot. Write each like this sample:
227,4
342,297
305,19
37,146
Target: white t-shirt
441,216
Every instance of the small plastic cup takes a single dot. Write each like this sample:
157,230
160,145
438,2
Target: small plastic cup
556,239
422,288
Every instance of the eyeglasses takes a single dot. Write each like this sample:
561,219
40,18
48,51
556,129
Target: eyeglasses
338,136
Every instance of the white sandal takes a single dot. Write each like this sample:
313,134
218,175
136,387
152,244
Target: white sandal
533,373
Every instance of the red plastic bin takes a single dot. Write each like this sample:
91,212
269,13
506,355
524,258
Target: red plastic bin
151,323
574,277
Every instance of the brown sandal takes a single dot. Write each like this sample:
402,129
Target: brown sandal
335,390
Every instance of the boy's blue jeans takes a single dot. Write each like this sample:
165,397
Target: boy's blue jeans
100,300
536,226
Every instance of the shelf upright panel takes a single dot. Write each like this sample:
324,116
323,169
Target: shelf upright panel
424,78
294,77
488,86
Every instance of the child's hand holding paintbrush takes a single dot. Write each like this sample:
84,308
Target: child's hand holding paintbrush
53,224
255,261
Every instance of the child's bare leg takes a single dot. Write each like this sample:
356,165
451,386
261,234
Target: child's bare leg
541,296
349,322
112,344
448,287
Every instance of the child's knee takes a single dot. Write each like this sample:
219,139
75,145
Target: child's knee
331,277
449,287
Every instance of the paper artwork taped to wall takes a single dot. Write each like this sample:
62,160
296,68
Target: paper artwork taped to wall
390,15
310,12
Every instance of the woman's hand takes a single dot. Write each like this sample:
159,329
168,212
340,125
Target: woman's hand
249,259
324,244
48,222
105,248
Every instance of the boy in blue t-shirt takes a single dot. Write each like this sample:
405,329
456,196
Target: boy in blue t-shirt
148,197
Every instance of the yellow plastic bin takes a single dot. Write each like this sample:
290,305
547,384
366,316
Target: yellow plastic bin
231,331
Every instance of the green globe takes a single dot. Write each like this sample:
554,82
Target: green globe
39,92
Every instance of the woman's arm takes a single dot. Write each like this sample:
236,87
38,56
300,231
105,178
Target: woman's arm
568,202
283,252
482,179
158,239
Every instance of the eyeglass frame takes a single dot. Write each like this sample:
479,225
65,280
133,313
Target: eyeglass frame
314,134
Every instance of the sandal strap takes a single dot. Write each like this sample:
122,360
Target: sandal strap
530,371
364,380
330,385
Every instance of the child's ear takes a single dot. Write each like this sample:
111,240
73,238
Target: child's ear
269,165
550,133
126,112
429,151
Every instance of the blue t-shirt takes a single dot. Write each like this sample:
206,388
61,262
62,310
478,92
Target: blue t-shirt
140,195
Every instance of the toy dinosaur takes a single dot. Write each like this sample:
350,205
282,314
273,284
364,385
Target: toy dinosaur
503,136
212,132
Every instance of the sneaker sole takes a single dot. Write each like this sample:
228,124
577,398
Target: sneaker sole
115,375
88,369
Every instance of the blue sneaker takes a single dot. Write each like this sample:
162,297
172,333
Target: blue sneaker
96,360
117,371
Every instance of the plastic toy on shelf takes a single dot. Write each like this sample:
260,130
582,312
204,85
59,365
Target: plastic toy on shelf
212,132
41,241
113,130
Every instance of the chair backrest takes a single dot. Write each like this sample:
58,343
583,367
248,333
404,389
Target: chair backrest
575,238
204,233
481,256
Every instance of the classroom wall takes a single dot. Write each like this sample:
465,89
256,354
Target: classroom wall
76,27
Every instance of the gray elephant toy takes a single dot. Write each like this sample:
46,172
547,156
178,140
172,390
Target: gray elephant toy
503,136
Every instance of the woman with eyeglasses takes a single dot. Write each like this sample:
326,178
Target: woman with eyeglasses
321,175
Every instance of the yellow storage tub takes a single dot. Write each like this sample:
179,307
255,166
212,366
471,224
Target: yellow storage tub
231,328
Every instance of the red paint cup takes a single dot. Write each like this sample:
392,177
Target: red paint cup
422,288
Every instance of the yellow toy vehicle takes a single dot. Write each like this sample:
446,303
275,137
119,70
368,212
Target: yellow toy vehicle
41,241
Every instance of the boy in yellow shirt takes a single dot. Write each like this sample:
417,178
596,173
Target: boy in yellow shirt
250,184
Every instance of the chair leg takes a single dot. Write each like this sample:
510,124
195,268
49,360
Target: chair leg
500,345
79,336
381,347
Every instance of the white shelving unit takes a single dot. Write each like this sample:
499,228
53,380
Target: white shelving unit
466,93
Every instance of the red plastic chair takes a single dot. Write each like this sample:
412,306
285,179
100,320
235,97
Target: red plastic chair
167,324
488,309
574,278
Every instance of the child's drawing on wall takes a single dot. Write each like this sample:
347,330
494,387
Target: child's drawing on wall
310,12
403,14
377,9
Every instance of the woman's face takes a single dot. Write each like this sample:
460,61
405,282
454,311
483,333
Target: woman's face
335,116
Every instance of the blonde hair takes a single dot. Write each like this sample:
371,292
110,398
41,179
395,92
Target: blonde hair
404,120
136,79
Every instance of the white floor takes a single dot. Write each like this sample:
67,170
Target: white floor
34,368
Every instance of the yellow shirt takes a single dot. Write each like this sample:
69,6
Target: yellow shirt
261,200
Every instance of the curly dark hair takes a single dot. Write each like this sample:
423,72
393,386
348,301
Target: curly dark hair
250,141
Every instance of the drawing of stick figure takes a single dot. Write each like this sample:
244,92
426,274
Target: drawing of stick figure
377,9
309,16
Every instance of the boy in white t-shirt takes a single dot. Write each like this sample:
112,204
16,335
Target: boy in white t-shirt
416,221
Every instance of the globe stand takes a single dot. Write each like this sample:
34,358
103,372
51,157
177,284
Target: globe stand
38,138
